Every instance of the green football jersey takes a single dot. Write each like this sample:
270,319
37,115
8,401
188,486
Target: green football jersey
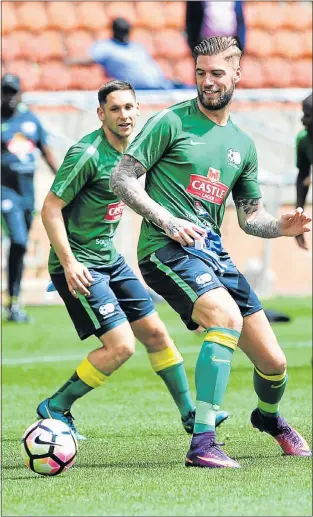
93,211
303,149
192,166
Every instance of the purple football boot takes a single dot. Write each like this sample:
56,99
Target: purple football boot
206,452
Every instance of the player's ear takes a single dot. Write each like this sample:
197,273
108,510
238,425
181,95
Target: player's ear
100,114
138,109
237,75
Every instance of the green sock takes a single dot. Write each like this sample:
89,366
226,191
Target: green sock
72,390
269,389
212,374
175,378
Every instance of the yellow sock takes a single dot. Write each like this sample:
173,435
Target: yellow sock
88,373
165,358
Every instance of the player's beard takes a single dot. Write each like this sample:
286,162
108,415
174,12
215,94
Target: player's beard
217,104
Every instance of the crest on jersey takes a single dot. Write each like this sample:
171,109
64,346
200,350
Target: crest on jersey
213,175
233,157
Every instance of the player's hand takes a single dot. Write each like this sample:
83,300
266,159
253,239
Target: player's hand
78,278
182,231
302,242
294,223
307,181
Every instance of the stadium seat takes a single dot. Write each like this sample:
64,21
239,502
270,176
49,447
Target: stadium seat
307,43
271,15
252,73
259,43
28,73
175,15
8,20
166,67
171,44
252,14
151,15
302,73
89,77
277,73
288,44
10,48
78,43
62,16
49,45
32,16
23,40
145,38
184,70
91,16
121,9
54,75
102,34
298,15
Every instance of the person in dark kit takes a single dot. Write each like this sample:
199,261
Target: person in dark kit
21,136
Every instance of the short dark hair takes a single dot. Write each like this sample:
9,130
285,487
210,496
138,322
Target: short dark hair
216,45
113,86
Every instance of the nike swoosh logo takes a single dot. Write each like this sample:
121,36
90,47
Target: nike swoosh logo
192,142
217,360
41,442
224,463
278,385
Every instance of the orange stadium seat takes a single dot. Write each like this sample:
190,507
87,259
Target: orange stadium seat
184,70
54,75
24,40
32,16
102,34
252,73
175,15
298,15
78,43
28,73
87,77
10,48
251,13
61,16
302,73
8,21
288,44
91,16
151,15
259,43
121,9
307,43
145,38
271,15
277,73
166,67
171,44
49,45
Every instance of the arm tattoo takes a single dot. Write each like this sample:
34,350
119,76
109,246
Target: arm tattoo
254,220
124,183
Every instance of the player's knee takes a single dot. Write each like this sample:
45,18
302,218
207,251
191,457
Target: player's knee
125,350
274,365
217,309
152,333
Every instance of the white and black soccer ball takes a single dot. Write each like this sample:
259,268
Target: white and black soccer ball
48,447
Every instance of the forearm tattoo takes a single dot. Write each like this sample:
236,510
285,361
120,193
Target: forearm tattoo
124,183
254,220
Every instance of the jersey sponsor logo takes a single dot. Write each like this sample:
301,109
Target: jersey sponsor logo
115,211
6,205
107,309
29,127
234,158
21,147
208,189
204,279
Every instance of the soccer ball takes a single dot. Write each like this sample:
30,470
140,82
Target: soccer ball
48,447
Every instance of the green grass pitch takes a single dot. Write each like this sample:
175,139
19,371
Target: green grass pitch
133,460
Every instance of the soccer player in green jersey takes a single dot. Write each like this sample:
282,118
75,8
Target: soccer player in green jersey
304,160
194,156
101,293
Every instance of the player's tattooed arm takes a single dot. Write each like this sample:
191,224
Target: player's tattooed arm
124,183
254,219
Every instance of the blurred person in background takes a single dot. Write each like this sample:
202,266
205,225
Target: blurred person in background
206,19
304,161
22,135
126,60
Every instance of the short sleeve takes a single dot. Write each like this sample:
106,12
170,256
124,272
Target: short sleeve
247,185
155,138
99,51
77,169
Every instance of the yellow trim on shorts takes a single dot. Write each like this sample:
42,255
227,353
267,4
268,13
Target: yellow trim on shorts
278,377
222,338
165,358
88,373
